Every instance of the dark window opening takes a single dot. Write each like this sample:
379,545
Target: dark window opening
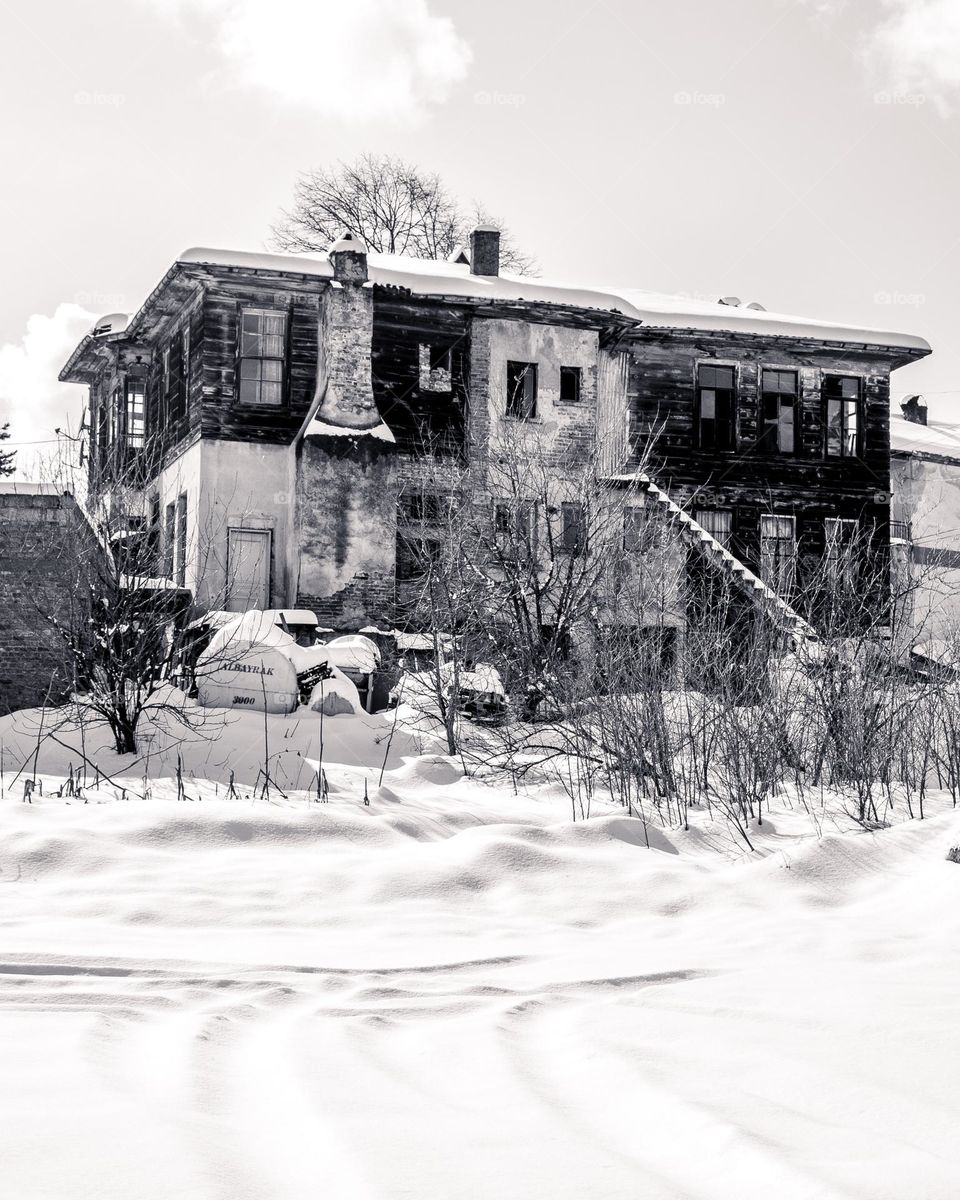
778,408
716,407
573,528
154,535
522,390
841,396
262,341
181,557
424,506
570,381
169,539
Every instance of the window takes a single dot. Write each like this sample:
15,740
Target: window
436,368
515,523
181,558
261,356
570,380
778,408
169,535
572,528
716,521
841,396
522,390
900,531
716,407
153,536
634,527
136,414
424,506
842,537
778,552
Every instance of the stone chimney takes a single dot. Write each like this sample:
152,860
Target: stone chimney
348,257
485,251
344,375
914,409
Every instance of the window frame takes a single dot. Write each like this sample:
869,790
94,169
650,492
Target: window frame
576,374
529,370
180,554
731,422
256,310
773,579
573,533
703,516
858,410
763,424
129,414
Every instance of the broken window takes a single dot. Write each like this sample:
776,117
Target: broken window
424,506
522,390
778,410
572,527
136,414
716,407
778,552
570,381
262,342
841,395
718,522
436,368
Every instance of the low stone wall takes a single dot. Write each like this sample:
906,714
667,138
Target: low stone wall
39,534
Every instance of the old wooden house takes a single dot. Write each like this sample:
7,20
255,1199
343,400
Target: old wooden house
264,414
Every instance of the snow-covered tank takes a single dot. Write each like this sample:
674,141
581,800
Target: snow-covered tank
253,663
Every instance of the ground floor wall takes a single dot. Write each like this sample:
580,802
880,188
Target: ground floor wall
926,512
40,538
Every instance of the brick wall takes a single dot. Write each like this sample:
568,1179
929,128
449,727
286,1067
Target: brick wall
38,538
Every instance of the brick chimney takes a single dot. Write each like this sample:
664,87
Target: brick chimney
914,409
348,257
344,376
485,251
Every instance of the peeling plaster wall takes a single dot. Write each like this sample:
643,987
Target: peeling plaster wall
347,529
927,494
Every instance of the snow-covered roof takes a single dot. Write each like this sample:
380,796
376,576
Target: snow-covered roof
654,309
936,437
14,487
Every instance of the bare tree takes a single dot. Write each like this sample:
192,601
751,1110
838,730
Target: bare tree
394,206
8,458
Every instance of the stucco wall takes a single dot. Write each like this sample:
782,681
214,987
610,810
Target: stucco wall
346,521
926,493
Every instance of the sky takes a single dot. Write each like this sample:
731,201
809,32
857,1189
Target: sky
801,153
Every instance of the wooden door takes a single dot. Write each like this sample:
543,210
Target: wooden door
248,569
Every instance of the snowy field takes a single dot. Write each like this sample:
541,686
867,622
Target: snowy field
454,991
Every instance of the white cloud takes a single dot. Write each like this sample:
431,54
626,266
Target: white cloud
918,47
31,398
352,59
